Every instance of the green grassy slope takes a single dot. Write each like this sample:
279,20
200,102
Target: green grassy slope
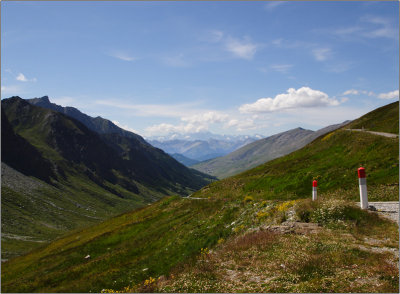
166,235
383,119
254,154
261,151
34,212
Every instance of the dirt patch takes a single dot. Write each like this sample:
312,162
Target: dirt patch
295,228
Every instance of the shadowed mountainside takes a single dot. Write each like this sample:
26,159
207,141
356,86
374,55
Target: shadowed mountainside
89,176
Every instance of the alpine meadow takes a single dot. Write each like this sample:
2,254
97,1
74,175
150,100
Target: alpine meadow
200,147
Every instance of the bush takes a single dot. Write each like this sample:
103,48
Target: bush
329,212
304,209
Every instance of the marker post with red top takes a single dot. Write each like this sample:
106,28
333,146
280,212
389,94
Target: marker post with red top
314,190
362,182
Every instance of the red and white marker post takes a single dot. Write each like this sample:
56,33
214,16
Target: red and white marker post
362,182
314,190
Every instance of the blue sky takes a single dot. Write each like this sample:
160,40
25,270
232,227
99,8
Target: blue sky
226,67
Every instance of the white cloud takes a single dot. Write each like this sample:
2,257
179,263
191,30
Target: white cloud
241,48
64,101
303,97
21,77
282,68
369,27
321,54
216,36
125,127
346,31
241,125
11,90
390,95
351,92
206,117
358,92
384,30
164,129
121,55
190,124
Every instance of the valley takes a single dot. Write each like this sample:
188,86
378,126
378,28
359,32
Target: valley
58,175
223,241
199,146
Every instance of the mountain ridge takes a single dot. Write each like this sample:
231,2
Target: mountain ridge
107,173
201,150
97,124
261,151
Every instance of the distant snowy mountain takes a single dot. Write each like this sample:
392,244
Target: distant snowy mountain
201,146
202,136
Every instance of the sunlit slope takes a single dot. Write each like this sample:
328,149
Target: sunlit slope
151,241
383,119
125,249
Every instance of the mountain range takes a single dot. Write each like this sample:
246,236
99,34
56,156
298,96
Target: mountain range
204,149
261,151
85,168
202,136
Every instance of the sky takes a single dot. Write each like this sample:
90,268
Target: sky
229,67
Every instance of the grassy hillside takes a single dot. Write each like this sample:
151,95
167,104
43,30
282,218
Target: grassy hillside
261,151
34,213
383,119
171,239
254,154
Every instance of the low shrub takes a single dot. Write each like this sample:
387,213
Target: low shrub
330,212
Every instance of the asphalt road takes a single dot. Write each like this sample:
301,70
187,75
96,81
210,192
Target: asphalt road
389,135
388,209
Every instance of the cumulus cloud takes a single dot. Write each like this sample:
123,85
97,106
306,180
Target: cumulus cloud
207,117
303,97
241,48
390,95
241,125
125,127
164,129
351,92
22,78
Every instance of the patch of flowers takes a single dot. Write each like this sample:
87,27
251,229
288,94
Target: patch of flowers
248,199
330,211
